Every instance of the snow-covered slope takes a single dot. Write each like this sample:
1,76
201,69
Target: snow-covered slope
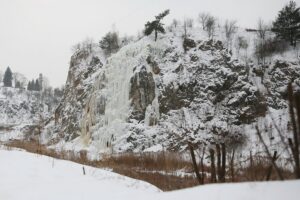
21,111
19,106
33,177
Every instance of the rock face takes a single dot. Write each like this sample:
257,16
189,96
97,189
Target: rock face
280,73
79,84
142,93
163,94
148,93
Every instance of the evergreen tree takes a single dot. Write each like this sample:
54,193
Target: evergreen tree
29,86
110,43
7,79
287,23
32,85
37,85
17,84
156,25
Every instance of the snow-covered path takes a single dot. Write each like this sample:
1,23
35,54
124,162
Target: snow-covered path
26,176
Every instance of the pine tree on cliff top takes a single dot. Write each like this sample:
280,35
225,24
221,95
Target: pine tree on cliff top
156,25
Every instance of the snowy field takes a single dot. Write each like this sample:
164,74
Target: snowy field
26,176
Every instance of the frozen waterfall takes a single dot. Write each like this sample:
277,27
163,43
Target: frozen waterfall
108,108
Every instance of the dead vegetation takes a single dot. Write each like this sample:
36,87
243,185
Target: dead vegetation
159,169
6,128
168,171
172,171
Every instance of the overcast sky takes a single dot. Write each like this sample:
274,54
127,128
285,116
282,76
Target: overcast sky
36,36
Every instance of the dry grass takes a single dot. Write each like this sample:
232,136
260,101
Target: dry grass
158,169
166,161
6,128
257,170
166,182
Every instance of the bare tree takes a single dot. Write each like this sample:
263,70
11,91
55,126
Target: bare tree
86,45
289,141
270,157
211,26
189,22
230,29
196,169
232,165
294,104
213,178
241,43
202,19
262,29
260,47
20,79
201,158
175,23
185,27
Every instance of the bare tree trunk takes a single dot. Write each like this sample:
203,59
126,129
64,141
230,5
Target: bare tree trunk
232,165
195,164
295,144
251,166
269,172
223,169
292,147
213,167
202,166
219,173
269,155
297,99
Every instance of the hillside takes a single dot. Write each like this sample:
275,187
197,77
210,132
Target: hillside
151,96
23,111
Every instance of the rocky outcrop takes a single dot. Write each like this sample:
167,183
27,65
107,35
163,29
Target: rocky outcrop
279,75
174,97
79,84
220,82
188,44
163,93
166,89
142,93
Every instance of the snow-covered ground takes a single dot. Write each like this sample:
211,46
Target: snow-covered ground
28,176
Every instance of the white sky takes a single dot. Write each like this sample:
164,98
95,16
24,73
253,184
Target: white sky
36,35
